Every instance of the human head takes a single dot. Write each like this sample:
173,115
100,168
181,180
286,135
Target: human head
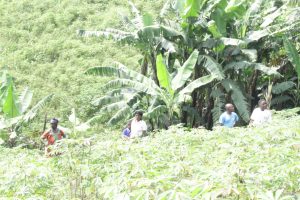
229,108
138,115
129,124
54,123
262,104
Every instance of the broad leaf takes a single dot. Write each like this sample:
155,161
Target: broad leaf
123,113
267,70
256,35
282,87
212,66
184,72
73,118
280,99
258,66
36,108
270,18
212,27
113,107
219,102
138,18
251,53
107,99
115,34
147,20
138,86
156,112
25,99
237,97
293,55
192,8
10,106
196,84
163,74
232,41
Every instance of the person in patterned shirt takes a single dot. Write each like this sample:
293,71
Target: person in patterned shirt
52,135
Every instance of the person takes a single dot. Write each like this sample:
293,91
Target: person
229,117
52,135
138,125
126,131
261,115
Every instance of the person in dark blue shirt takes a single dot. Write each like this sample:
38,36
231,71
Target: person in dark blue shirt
229,117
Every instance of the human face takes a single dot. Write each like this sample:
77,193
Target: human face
229,108
138,117
54,125
263,105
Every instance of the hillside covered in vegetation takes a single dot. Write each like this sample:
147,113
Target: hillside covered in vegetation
241,163
94,63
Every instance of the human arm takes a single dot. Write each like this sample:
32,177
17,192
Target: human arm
252,117
144,128
221,120
63,135
44,135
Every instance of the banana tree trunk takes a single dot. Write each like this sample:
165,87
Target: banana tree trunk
144,69
154,70
252,89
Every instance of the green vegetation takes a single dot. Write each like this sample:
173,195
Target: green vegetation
241,163
232,40
93,63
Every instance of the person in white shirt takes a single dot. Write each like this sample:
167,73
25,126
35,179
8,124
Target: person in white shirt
138,126
261,115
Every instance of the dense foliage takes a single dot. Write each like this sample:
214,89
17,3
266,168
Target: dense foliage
240,163
236,43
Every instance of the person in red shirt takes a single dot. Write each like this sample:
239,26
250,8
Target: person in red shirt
52,134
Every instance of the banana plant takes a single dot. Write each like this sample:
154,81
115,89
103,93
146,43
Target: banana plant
289,90
145,33
15,110
129,90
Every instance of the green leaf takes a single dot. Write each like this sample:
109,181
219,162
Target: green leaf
25,99
113,107
115,34
10,106
196,84
36,108
156,112
237,97
256,35
105,71
280,99
184,72
212,27
232,41
233,5
282,87
293,55
107,99
147,19
212,66
138,86
138,18
163,74
121,71
257,66
219,102
267,70
270,18
251,53
123,113
192,8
